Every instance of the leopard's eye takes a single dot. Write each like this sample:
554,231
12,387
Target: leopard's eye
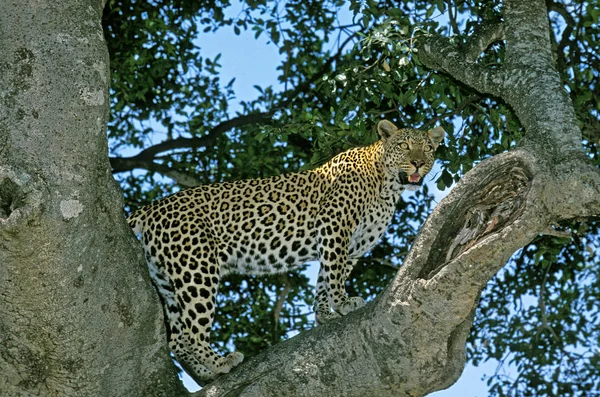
404,145
428,148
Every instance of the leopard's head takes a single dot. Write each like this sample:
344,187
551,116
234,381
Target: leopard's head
409,151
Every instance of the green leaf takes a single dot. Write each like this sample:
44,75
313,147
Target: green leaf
430,11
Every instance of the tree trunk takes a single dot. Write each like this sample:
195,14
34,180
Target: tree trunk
78,316
411,340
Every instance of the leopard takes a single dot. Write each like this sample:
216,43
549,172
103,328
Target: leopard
333,214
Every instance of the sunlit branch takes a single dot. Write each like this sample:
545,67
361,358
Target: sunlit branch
281,297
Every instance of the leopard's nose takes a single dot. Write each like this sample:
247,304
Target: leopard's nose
417,163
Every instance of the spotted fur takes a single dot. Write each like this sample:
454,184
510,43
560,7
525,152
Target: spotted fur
333,214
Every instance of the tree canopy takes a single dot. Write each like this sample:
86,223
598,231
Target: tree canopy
345,65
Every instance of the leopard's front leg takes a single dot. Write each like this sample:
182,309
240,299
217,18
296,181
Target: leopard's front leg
322,306
335,268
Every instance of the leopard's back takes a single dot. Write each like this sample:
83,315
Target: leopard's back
256,226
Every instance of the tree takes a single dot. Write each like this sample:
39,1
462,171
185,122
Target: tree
77,313
499,72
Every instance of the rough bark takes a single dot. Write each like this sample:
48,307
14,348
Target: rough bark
411,340
78,316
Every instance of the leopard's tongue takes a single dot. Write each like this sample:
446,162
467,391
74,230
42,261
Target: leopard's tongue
414,178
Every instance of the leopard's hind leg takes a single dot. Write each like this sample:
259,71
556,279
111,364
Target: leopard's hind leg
195,292
177,342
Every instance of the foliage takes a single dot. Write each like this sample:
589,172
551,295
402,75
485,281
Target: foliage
549,333
345,65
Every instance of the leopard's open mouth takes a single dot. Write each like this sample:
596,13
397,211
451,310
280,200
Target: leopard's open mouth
414,178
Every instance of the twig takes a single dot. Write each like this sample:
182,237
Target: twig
281,297
373,64
542,306
422,81
127,164
452,18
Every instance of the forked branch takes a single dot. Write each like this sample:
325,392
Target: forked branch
486,34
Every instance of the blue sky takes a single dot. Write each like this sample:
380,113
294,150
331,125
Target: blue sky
253,62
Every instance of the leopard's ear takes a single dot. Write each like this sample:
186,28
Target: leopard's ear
436,135
386,129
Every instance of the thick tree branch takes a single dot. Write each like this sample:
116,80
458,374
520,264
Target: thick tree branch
534,86
527,19
441,53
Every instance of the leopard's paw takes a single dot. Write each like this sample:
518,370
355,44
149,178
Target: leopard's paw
323,317
349,305
234,359
228,362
